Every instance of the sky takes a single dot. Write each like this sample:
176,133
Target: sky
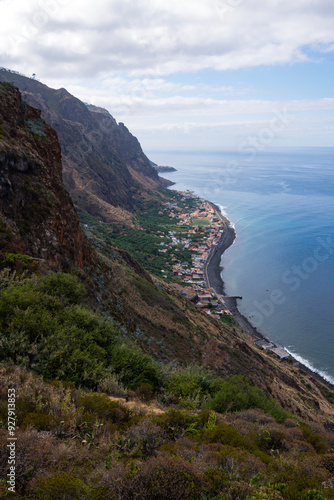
192,75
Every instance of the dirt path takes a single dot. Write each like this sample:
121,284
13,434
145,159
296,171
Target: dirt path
139,405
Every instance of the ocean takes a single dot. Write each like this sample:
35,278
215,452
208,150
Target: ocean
281,203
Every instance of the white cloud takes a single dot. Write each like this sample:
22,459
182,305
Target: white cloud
237,136
178,106
161,37
121,54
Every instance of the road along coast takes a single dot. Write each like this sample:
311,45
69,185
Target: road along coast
213,279
212,274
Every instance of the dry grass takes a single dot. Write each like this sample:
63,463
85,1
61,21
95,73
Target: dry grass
153,407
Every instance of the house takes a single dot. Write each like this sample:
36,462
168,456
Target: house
281,353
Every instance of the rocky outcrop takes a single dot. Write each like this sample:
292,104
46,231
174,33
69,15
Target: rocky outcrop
105,169
37,215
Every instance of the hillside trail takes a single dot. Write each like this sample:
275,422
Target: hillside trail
151,407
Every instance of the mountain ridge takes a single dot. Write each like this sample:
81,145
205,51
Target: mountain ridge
38,220
104,167
38,215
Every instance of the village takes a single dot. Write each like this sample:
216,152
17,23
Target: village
177,242
200,229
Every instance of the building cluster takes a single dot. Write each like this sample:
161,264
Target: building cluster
200,230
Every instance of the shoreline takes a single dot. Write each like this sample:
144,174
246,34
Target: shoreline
212,273
213,269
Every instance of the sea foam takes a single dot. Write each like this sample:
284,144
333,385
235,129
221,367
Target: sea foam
222,208
309,365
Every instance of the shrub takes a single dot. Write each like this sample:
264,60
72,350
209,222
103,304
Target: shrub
100,406
144,392
41,421
177,423
313,495
225,434
11,278
299,476
163,478
239,490
42,327
33,457
328,462
236,393
64,286
312,437
147,435
135,368
173,422
272,439
62,485
110,384
13,260
218,478
189,382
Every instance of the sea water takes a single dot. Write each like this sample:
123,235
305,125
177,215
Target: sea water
282,261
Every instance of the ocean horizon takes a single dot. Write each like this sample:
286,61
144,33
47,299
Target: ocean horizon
281,203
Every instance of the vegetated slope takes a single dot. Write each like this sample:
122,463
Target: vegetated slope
38,220
79,445
105,169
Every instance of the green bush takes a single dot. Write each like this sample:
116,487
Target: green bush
177,423
172,421
41,421
62,486
236,393
12,259
303,478
102,407
135,368
64,286
189,382
313,495
227,435
35,126
43,327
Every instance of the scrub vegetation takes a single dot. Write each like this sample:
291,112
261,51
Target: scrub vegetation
188,434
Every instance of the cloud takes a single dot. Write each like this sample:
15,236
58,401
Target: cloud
141,60
236,136
161,37
178,106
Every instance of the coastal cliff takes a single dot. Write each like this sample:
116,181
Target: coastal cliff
119,374
104,167
37,214
38,219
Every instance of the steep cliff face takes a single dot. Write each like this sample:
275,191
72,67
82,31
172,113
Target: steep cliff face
105,169
37,215
38,218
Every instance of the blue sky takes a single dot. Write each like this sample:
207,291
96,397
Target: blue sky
206,74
